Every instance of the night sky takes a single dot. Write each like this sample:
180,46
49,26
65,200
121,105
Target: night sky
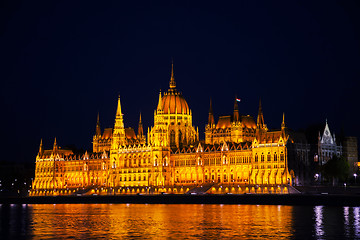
62,62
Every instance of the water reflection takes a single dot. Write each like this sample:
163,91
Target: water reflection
161,221
15,221
356,222
318,213
142,221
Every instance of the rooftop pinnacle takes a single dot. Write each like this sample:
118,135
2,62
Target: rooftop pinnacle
172,79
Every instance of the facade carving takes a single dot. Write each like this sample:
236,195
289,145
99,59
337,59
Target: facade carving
238,155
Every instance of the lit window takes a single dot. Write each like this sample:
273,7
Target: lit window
282,157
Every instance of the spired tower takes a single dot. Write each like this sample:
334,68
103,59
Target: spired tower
172,120
118,137
172,129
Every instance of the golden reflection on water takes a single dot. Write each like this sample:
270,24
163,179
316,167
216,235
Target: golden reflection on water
142,221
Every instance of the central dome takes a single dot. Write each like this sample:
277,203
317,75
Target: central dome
174,103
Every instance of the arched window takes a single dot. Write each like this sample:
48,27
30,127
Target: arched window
268,157
172,138
180,139
282,157
262,157
256,158
275,157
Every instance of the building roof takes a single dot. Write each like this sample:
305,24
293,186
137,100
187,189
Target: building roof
269,137
230,146
130,133
248,121
107,133
173,102
61,152
224,122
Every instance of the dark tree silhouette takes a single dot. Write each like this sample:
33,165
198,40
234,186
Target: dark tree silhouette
337,168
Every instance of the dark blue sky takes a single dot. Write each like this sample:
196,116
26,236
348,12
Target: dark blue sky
62,62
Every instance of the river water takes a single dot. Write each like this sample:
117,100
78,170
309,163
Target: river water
178,221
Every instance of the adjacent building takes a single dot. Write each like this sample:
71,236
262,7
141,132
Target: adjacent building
350,152
327,146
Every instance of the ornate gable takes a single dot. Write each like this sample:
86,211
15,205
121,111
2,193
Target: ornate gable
326,137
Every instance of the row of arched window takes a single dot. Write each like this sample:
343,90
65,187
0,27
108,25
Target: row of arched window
269,157
132,178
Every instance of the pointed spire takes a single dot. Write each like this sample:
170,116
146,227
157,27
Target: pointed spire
172,79
118,110
140,128
260,118
98,129
236,116
119,121
283,121
283,124
41,147
159,107
211,120
327,129
55,147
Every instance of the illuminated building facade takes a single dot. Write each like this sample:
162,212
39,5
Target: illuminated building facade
238,155
327,146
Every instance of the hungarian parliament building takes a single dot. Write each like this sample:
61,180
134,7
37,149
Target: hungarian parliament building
238,155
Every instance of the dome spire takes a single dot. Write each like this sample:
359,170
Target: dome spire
172,79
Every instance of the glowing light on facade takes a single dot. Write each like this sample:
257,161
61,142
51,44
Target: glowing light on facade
237,156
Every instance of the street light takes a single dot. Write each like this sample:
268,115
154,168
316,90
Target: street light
355,175
316,176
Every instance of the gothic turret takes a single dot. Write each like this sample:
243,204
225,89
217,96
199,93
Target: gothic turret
55,147
140,128
260,119
98,129
41,148
283,122
236,117
211,121
283,127
159,107
119,130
